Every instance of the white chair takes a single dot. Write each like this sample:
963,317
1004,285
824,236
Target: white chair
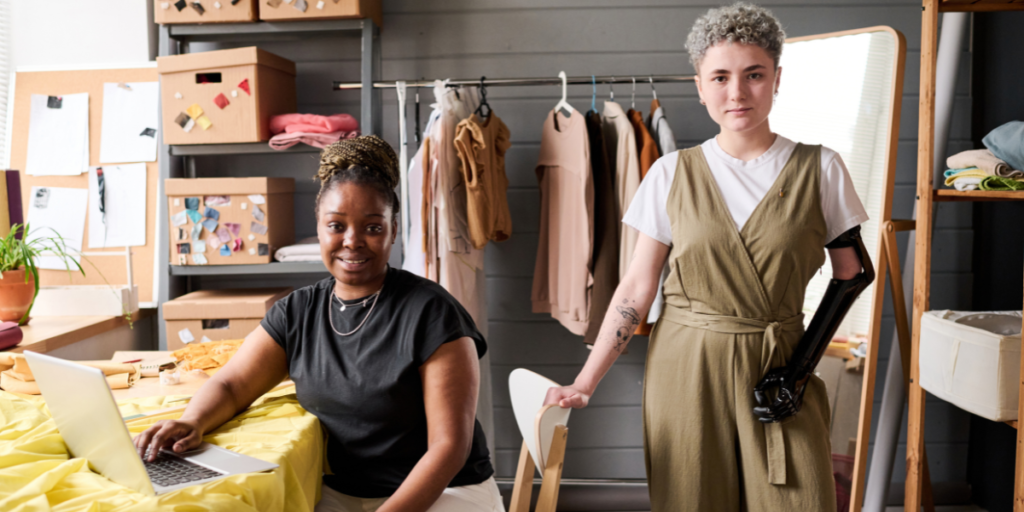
544,435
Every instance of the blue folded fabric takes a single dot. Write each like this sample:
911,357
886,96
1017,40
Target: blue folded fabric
1007,143
948,173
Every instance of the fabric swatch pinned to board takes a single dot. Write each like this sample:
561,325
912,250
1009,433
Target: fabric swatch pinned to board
210,225
204,122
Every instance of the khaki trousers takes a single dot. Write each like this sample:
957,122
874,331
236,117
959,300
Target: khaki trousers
705,449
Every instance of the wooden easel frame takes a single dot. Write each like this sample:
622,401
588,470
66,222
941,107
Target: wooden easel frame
891,259
551,479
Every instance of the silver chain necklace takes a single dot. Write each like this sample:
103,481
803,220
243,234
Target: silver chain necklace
330,311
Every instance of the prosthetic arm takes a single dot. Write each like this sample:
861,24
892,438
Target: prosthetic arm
791,380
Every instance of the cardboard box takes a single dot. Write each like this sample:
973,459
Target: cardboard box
232,201
167,12
204,96
278,10
217,314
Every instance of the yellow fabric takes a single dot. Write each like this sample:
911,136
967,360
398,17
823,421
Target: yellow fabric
969,173
37,475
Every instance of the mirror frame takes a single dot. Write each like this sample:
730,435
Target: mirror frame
881,268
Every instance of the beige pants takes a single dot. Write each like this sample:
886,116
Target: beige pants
482,497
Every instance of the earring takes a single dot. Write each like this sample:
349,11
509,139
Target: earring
702,102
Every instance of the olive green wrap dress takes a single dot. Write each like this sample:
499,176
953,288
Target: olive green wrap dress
733,310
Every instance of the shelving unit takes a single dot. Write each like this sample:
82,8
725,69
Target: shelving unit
177,161
927,196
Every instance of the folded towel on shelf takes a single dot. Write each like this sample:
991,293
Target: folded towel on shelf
963,184
312,123
286,140
950,172
308,249
1007,143
984,160
966,173
1001,183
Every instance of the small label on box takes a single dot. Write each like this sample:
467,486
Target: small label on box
186,336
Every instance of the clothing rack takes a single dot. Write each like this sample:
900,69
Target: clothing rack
494,82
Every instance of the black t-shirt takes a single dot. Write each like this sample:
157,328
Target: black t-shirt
366,388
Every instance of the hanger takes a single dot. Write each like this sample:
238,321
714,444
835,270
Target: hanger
654,93
563,103
483,101
632,99
593,96
611,89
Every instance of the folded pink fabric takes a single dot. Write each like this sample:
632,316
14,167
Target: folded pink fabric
318,140
312,123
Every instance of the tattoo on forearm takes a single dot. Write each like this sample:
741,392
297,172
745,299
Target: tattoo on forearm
625,327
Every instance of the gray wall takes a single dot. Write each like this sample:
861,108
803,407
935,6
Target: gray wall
524,38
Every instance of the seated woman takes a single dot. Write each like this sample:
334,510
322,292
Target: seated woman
385,359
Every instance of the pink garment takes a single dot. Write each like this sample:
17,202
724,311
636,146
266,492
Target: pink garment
284,141
312,123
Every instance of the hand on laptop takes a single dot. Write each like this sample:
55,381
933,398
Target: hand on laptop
176,435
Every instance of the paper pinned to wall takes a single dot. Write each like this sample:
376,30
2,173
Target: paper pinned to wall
58,138
130,124
54,210
123,222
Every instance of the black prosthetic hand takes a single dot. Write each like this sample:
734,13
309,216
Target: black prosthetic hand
790,381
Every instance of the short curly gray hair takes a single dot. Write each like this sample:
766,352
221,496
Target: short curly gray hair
738,23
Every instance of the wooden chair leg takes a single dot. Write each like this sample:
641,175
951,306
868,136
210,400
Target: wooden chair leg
552,478
522,491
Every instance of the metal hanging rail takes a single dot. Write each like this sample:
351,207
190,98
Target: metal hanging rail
493,82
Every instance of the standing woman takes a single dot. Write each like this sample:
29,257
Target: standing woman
387,360
743,221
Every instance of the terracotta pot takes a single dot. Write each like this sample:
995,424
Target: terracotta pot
15,295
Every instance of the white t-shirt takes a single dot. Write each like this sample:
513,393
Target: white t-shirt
743,185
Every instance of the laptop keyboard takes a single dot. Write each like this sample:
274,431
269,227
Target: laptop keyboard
167,471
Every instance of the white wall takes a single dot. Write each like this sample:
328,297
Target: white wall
72,33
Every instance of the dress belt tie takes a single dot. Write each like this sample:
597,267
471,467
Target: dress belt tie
771,357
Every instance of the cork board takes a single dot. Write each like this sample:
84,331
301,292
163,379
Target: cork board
58,83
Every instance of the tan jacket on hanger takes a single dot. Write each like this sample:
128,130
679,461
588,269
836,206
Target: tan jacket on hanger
481,146
621,146
562,277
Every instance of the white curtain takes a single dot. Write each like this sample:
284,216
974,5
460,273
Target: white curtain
5,74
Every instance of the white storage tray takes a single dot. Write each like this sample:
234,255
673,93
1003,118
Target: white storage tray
963,362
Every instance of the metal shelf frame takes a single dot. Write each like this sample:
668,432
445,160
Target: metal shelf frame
178,161
276,268
248,148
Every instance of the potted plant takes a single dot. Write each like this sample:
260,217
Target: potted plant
19,276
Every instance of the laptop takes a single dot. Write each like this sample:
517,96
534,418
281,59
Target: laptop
88,419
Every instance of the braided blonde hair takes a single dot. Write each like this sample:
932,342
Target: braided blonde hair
367,160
